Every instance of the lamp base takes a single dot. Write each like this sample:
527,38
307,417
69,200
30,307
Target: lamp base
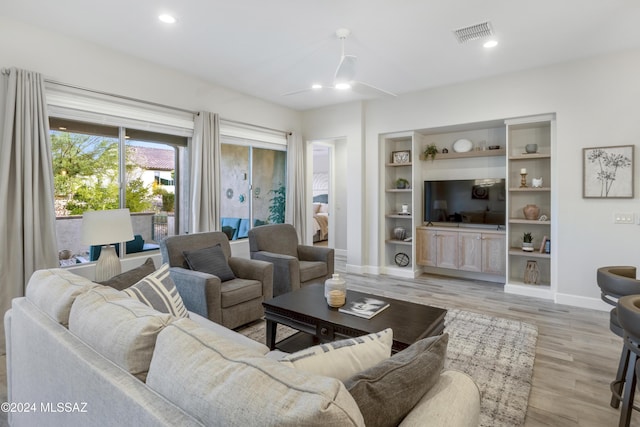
108,264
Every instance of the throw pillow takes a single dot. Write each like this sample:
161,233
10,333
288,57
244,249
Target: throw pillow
387,392
128,278
228,231
210,260
158,291
344,358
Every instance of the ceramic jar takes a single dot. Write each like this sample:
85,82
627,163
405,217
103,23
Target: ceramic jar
531,148
400,233
335,291
531,212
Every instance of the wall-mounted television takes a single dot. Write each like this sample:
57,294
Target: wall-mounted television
466,202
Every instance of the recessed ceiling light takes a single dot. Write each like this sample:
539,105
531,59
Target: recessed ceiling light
167,19
343,86
316,86
490,44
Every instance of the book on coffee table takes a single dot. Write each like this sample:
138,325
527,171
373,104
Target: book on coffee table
364,307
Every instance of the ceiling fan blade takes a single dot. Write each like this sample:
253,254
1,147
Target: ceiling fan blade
367,89
295,92
346,70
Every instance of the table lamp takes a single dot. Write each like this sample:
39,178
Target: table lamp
105,228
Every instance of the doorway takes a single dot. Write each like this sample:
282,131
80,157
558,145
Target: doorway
328,194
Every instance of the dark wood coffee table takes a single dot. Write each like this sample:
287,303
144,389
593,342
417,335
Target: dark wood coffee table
307,311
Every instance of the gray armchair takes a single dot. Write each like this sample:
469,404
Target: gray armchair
294,265
231,303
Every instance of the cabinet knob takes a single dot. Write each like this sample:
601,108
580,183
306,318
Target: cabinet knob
324,331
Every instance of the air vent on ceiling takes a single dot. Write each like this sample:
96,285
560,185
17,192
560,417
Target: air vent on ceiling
473,32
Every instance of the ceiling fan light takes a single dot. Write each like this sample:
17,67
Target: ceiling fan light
343,86
316,86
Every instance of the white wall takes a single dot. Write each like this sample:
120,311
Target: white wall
596,102
67,60
345,122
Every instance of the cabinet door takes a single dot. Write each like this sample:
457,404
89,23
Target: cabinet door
447,249
425,247
493,253
470,251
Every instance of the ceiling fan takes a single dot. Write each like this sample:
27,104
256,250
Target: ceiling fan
344,77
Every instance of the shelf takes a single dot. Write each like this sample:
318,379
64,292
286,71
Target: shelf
530,189
398,242
525,254
484,153
398,216
528,221
399,164
398,190
530,156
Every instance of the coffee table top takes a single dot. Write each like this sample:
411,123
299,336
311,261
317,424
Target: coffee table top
410,322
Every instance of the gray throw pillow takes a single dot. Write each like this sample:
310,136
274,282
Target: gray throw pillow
131,277
210,260
386,392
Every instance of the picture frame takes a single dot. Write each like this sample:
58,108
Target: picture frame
401,157
607,172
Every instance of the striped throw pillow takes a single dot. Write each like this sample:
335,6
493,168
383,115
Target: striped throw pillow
158,291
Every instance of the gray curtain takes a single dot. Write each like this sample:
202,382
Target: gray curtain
204,181
27,214
295,210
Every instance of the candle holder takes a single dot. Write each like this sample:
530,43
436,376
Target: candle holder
523,180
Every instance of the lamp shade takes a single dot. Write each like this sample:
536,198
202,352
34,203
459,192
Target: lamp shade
440,204
106,227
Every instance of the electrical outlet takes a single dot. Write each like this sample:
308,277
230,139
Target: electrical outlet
623,218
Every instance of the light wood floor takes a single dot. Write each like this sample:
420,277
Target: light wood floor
576,354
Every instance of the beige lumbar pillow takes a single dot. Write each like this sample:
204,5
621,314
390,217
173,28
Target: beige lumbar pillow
157,290
344,358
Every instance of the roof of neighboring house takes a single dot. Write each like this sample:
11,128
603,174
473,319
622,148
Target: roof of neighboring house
154,158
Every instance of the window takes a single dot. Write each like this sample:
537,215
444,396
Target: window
90,161
253,184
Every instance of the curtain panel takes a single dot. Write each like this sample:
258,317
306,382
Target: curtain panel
27,214
204,212
295,212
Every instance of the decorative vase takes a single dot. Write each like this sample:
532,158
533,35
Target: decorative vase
335,291
531,273
400,233
531,148
531,211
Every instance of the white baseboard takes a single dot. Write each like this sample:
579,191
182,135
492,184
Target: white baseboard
340,252
584,302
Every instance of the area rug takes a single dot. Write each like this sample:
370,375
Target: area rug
497,353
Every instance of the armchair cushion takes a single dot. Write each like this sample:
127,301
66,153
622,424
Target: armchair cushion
210,260
158,291
310,270
237,291
131,277
387,392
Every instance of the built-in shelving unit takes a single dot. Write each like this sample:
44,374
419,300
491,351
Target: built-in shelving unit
539,130
393,199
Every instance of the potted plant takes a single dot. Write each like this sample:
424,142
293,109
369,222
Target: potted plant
402,183
527,242
430,151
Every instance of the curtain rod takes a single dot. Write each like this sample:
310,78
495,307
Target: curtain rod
5,71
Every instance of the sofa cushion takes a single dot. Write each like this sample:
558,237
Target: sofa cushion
387,392
157,290
55,290
131,277
218,382
344,358
311,270
211,260
122,329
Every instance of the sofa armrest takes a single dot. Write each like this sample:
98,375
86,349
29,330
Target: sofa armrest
317,253
286,271
199,291
453,401
254,269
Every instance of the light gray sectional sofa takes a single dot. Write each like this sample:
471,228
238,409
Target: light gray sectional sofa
83,354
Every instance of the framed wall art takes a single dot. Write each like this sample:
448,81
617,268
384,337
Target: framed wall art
400,157
608,172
